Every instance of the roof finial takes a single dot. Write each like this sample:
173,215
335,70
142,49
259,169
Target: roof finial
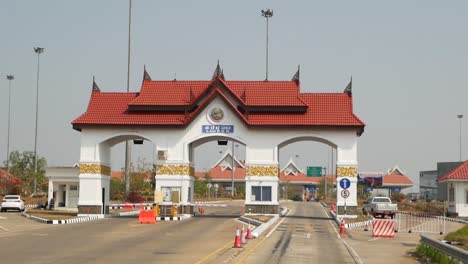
218,72
146,76
95,86
296,76
349,88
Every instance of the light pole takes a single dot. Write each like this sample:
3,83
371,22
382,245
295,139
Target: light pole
9,78
326,182
460,116
232,169
267,13
38,51
128,151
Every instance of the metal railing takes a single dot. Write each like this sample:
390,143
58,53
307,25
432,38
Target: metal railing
449,250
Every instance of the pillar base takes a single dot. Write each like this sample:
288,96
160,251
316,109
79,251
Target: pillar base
350,210
92,209
261,209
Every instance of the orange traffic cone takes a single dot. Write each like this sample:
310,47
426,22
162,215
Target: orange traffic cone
243,234
332,207
342,227
249,233
237,239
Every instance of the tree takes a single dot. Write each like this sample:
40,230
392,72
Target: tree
22,166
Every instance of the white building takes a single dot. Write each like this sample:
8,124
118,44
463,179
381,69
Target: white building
457,189
177,116
64,186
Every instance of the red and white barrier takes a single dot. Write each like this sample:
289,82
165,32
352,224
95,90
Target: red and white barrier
383,228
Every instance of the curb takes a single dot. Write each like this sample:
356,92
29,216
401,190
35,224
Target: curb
260,226
66,221
158,218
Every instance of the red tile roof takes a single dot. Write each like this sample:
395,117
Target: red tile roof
460,173
312,109
218,174
396,180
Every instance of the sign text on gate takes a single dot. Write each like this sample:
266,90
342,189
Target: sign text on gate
225,129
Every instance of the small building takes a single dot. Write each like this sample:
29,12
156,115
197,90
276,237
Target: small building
64,186
428,185
380,184
456,181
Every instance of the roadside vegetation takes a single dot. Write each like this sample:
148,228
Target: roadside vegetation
460,237
52,214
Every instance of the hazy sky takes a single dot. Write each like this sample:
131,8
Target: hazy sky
408,59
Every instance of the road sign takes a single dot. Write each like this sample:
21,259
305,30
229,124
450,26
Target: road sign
314,171
345,194
345,183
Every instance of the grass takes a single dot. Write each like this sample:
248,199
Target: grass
52,214
460,236
427,254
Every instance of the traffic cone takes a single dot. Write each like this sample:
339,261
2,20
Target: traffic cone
366,226
342,227
243,234
332,207
237,239
249,233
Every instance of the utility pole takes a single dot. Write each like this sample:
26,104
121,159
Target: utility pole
460,118
128,151
267,13
38,51
326,182
9,78
232,170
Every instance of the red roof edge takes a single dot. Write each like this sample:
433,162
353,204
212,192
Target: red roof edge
448,175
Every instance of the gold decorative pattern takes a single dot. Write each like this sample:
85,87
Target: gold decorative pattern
262,171
346,171
171,169
94,169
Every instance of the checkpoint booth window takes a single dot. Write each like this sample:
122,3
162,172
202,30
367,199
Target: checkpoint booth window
171,194
261,193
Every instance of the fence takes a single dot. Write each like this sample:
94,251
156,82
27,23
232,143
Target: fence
420,223
448,250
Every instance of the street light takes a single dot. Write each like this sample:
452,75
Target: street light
9,78
232,169
38,51
267,13
460,116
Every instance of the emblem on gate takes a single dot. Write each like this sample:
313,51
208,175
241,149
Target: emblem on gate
217,114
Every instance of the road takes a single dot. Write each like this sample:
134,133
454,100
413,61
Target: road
304,236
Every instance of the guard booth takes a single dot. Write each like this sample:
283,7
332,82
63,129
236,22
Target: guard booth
176,116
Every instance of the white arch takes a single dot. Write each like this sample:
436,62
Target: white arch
303,137
122,136
203,138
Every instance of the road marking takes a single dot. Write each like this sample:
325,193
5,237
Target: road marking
351,251
241,260
4,228
274,228
213,253
375,238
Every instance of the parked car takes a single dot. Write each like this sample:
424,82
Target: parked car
380,206
12,202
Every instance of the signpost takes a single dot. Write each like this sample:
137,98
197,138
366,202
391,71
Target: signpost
314,171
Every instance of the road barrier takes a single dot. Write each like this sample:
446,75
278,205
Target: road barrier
383,228
146,217
454,252
421,223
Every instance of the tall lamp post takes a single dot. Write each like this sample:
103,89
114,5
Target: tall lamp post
267,13
9,78
38,51
460,118
326,182
128,151
232,169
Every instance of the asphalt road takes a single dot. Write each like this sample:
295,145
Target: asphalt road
120,240
305,236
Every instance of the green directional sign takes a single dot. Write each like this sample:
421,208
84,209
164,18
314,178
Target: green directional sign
314,171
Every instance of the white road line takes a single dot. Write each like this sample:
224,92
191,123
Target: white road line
375,238
274,228
352,252
4,228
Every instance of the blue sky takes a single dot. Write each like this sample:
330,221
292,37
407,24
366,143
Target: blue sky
408,59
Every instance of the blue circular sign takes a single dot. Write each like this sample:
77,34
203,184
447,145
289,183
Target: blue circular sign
345,183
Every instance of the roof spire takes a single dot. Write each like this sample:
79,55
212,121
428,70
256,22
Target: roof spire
295,78
218,73
146,76
349,87
95,86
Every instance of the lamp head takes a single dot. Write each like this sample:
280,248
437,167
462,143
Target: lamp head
267,13
460,116
10,77
38,50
